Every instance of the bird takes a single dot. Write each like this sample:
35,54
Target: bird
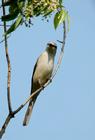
42,72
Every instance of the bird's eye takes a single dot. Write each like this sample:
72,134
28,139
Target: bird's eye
53,46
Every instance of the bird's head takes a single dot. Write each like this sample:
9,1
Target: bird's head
51,47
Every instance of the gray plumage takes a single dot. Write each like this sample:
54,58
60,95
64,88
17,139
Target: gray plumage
42,72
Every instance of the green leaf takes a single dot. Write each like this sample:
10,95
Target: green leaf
59,18
10,16
20,4
60,1
48,13
14,25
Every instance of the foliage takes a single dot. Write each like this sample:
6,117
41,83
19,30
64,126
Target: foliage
22,11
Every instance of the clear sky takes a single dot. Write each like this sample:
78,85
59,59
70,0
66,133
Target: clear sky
65,110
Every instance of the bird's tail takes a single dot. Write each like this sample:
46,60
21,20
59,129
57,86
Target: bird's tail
29,112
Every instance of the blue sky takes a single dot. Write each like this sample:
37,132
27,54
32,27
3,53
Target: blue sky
65,110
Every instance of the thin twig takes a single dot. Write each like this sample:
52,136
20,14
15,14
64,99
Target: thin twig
62,51
3,40
6,25
8,62
31,96
60,41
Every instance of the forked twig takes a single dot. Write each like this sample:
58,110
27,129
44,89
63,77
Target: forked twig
3,40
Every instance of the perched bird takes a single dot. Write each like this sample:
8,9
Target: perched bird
42,72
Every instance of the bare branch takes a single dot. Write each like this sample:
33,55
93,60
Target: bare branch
2,130
31,96
8,62
62,51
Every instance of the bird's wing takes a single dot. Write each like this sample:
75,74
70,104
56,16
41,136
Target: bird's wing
32,88
32,102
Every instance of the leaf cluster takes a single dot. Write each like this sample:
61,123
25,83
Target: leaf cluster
22,11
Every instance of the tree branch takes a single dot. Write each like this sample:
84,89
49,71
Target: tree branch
62,50
8,62
2,130
13,113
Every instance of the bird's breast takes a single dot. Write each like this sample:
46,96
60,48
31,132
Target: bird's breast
44,68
